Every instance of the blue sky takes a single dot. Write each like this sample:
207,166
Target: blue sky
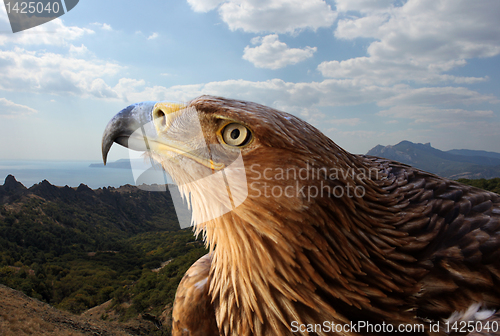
365,72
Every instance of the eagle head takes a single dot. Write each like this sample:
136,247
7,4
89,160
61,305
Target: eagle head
221,152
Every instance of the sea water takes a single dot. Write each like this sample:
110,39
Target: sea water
71,173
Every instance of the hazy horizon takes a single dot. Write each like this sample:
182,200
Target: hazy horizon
61,173
74,172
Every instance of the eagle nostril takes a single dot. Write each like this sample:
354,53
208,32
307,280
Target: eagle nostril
160,116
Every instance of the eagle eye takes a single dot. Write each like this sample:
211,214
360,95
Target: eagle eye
236,134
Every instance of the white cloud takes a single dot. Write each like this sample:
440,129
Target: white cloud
367,26
345,121
388,72
357,134
362,5
103,26
419,41
50,33
277,16
204,5
44,72
274,54
79,51
445,96
302,98
288,96
153,36
9,109
436,116
106,26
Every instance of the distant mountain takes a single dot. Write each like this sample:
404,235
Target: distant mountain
122,163
470,152
140,163
125,210
454,164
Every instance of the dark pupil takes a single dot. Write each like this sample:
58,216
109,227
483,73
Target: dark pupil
235,134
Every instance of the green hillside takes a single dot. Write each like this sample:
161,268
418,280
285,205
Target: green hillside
491,184
76,248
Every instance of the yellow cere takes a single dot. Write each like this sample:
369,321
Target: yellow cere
163,114
168,107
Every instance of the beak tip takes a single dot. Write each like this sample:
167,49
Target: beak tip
124,124
107,142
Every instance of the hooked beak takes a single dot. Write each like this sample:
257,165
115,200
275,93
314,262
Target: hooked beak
123,125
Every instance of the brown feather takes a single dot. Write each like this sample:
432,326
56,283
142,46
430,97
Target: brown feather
192,299
381,257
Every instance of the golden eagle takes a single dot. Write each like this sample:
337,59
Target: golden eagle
327,242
